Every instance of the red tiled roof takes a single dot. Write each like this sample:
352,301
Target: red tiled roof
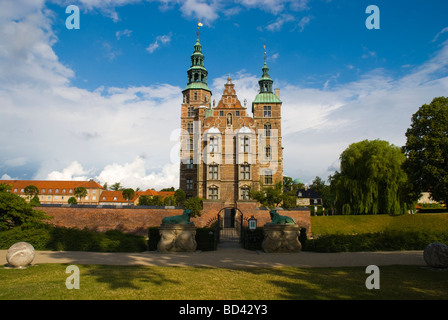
56,187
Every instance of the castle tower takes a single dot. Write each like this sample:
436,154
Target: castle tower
196,99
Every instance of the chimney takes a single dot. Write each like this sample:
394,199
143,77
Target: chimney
277,93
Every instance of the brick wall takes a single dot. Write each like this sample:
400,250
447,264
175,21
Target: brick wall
137,220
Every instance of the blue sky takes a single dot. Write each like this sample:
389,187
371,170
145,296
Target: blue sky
103,101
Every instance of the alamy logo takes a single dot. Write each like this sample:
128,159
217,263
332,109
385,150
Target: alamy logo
72,281
72,21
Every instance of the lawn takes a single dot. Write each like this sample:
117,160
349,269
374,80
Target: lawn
378,223
47,281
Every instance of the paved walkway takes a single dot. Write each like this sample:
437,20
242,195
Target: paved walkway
230,256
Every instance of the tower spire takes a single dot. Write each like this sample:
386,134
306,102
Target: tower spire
197,32
264,47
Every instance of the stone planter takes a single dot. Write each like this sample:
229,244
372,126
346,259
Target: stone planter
281,238
177,238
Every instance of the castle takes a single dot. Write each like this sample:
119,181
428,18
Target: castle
225,151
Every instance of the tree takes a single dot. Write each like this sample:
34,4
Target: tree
169,201
324,191
371,180
128,194
195,205
16,212
268,196
72,200
168,189
80,192
426,150
144,200
180,196
31,191
116,187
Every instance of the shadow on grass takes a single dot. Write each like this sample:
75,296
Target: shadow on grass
396,283
126,277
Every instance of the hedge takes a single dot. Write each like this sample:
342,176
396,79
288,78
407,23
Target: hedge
72,239
389,240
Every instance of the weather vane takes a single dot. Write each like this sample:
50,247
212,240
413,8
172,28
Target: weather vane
264,47
199,25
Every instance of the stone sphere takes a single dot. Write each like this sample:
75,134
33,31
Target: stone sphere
436,255
20,254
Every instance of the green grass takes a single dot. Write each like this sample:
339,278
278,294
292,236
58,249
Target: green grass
378,223
47,281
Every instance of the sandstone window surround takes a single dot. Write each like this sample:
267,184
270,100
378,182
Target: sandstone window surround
267,111
245,144
213,193
190,112
213,171
245,193
245,171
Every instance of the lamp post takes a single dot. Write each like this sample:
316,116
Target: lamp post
252,223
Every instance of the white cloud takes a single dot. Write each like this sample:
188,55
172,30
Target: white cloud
160,41
123,33
279,22
303,22
73,172
438,34
134,175
200,9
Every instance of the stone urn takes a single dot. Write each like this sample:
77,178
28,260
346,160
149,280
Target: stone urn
177,238
281,238
20,255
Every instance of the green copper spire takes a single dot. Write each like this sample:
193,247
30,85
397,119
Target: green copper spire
197,74
266,95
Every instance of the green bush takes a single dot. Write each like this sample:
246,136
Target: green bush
206,239
388,240
153,238
71,239
252,240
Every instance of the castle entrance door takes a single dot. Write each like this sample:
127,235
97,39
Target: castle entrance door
230,222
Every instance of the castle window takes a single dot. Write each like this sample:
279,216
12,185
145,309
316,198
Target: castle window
268,153
213,193
189,184
268,178
190,163
190,144
213,145
221,113
213,172
190,112
190,127
237,113
245,191
267,111
195,96
245,171
244,144
267,129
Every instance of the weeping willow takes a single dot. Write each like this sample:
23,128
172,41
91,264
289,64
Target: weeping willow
371,179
